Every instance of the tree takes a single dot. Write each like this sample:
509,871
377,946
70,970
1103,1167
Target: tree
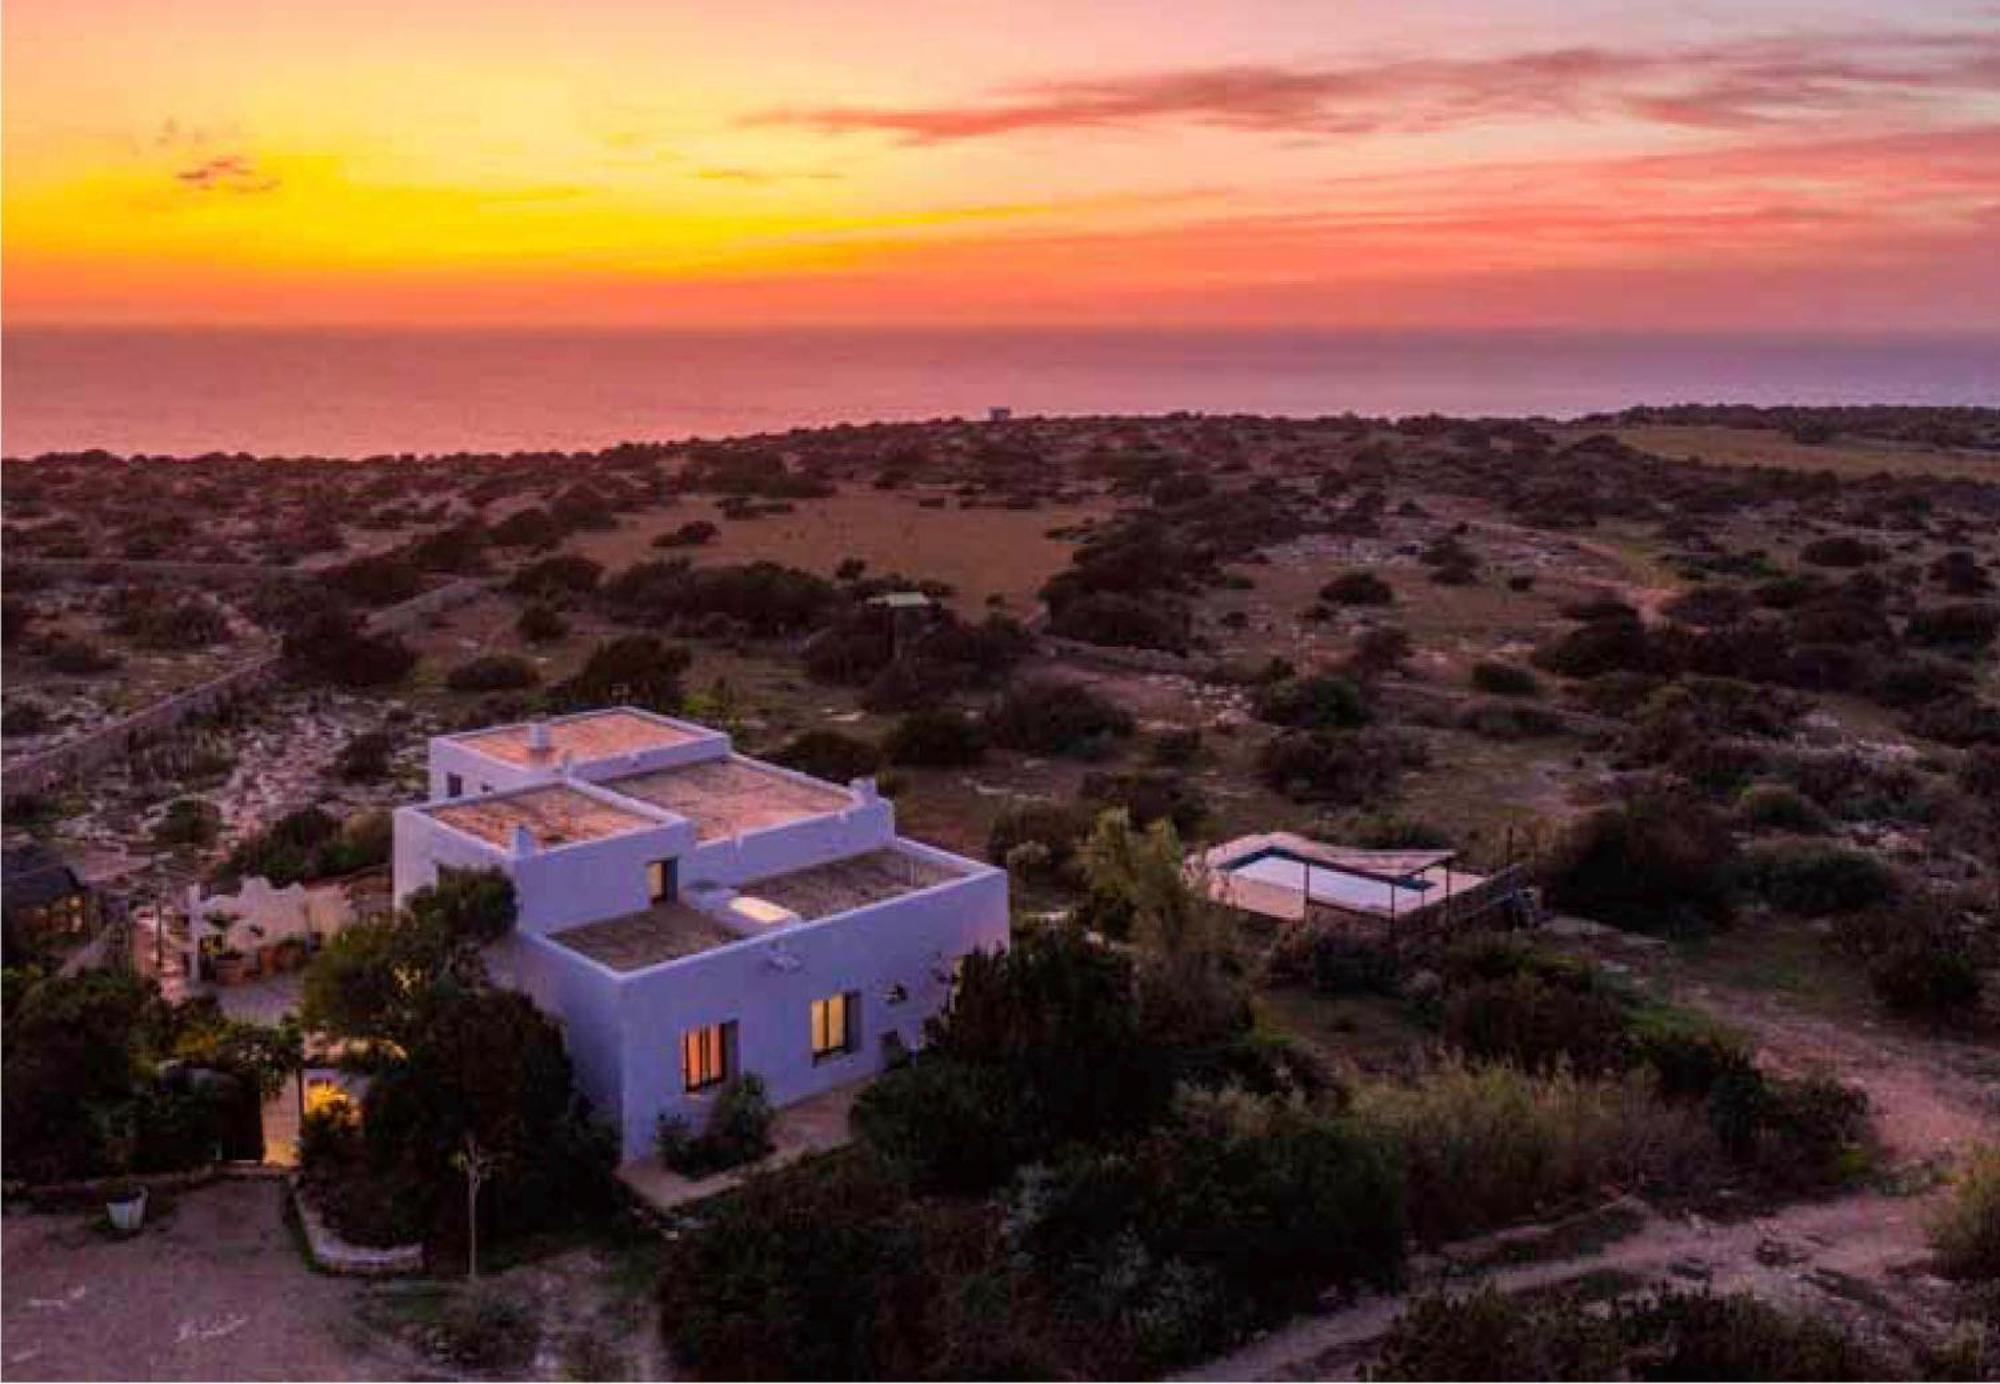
639,669
1188,983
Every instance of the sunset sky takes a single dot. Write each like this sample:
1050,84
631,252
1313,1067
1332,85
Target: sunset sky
1438,163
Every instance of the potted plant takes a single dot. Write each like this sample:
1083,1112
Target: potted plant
125,1204
124,1200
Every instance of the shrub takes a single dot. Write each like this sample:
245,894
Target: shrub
1239,1210
541,624
794,1277
78,658
940,738
738,1131
1923,971
1115,619
1179,747
1802,1132
635,669
1058,829
830,754
1509,720
1311,703
1357,588
333,647
1967,626
1147,798
526,528
1504,679
378,580
1841,550
1652,862
1666,1335
1536,1026
25,718
1349,766
1965,1234
1774,807
693,534
189,822
493,673
567,574
1817,880
1054,717
365,757
1616,645
1484,1147
1486,1334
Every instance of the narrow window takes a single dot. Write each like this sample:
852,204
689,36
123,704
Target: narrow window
663,880
454,786
707,1054
835,1020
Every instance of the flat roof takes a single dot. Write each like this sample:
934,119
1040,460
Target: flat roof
590,736
555,813
727,797
634,941
822,890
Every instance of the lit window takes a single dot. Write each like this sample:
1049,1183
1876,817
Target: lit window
707,1055
834,1024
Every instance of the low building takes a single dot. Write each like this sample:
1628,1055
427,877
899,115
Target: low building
48,906
689,914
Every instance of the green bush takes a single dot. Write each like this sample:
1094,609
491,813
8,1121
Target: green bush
937,738
493,673
830,754
1058,829
1053,717
1800,1133
1357,588
1965,1233
1774,807
1355,767
189,822
541,624
1817,880
738,1131
1536,1026
1499,679
1484,1147
1665,1335
1487,1334
1652,862
1311,703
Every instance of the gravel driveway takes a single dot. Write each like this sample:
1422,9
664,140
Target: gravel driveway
212,1288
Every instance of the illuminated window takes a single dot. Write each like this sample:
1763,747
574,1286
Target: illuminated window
834,1020
707,1054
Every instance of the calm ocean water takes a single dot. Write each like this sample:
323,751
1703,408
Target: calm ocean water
351,393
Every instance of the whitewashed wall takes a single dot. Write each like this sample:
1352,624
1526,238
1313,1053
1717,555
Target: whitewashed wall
913,941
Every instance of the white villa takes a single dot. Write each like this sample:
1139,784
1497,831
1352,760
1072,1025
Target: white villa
689,914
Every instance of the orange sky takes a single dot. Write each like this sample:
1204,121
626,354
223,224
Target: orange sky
1460,163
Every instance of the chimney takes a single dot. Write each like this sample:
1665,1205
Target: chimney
538,740
524,840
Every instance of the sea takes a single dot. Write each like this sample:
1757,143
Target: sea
341,392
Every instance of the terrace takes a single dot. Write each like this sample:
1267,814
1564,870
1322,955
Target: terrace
634,941
592,736
856,882
728,797
554,815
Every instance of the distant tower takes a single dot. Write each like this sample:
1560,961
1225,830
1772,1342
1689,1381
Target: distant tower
999,413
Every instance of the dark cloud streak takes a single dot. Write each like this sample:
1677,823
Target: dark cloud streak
1725,86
